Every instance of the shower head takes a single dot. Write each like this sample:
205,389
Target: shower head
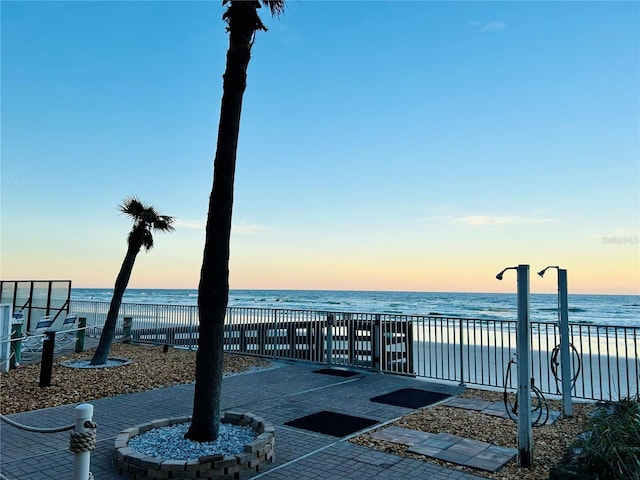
500,275
541,272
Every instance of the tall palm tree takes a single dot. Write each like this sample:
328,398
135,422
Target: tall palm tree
213,292
145,220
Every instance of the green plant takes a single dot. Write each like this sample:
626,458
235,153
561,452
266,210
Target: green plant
611,445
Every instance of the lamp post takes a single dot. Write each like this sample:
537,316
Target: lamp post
563,325
523,345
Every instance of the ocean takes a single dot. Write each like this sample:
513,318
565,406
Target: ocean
621,310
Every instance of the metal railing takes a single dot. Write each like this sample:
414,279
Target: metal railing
462,350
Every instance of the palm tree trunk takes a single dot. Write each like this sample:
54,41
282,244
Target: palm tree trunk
213,291
109,329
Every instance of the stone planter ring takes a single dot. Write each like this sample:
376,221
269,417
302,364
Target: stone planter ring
225,467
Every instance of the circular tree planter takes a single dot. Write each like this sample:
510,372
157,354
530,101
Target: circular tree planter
227,467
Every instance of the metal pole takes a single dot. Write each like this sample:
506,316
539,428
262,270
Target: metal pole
330,319
376,341
82,460
276,338
46,363
462,384
525,438
565,355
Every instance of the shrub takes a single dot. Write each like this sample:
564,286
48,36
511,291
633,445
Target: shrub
611,445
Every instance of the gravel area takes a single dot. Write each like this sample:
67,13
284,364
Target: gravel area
151,368
169,443
550,442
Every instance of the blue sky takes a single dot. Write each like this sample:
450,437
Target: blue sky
384,145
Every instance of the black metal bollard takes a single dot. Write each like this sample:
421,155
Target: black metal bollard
46,365
80,334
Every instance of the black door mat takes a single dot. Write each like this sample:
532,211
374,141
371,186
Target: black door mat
336,373
331,423
410,398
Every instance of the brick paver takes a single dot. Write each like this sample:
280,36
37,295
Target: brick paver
279,395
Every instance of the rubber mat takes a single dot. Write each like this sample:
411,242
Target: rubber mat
410,398
331,423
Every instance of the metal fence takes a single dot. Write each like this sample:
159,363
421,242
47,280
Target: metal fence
36,298
604,359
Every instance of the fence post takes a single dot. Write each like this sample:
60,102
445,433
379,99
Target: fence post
408,337
82,460
375,345
157,329
462,384
330,319
80,334
352,332
127,323
276,337
46,364
16,345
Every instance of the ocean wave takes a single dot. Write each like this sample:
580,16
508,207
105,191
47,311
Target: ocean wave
555,309
587,309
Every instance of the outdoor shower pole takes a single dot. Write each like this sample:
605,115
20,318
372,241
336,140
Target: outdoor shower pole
523,340
565,358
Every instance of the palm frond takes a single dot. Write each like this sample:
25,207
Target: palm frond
148,215
132,206
276,6
145,218
164,223
147,240
245,12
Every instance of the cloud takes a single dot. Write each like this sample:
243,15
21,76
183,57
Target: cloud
499,220
189,224
249,229
493,26
483,220
238,229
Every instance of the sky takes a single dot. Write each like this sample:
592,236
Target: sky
384,145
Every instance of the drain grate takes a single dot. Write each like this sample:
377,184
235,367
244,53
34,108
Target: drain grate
332,423
336,373
410,398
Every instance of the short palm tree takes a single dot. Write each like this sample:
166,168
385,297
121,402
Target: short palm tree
213,292
145,221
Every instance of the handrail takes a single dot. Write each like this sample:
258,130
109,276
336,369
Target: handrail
459,349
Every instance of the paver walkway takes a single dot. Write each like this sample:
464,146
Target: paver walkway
495,409
279,395
459,450
451,448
